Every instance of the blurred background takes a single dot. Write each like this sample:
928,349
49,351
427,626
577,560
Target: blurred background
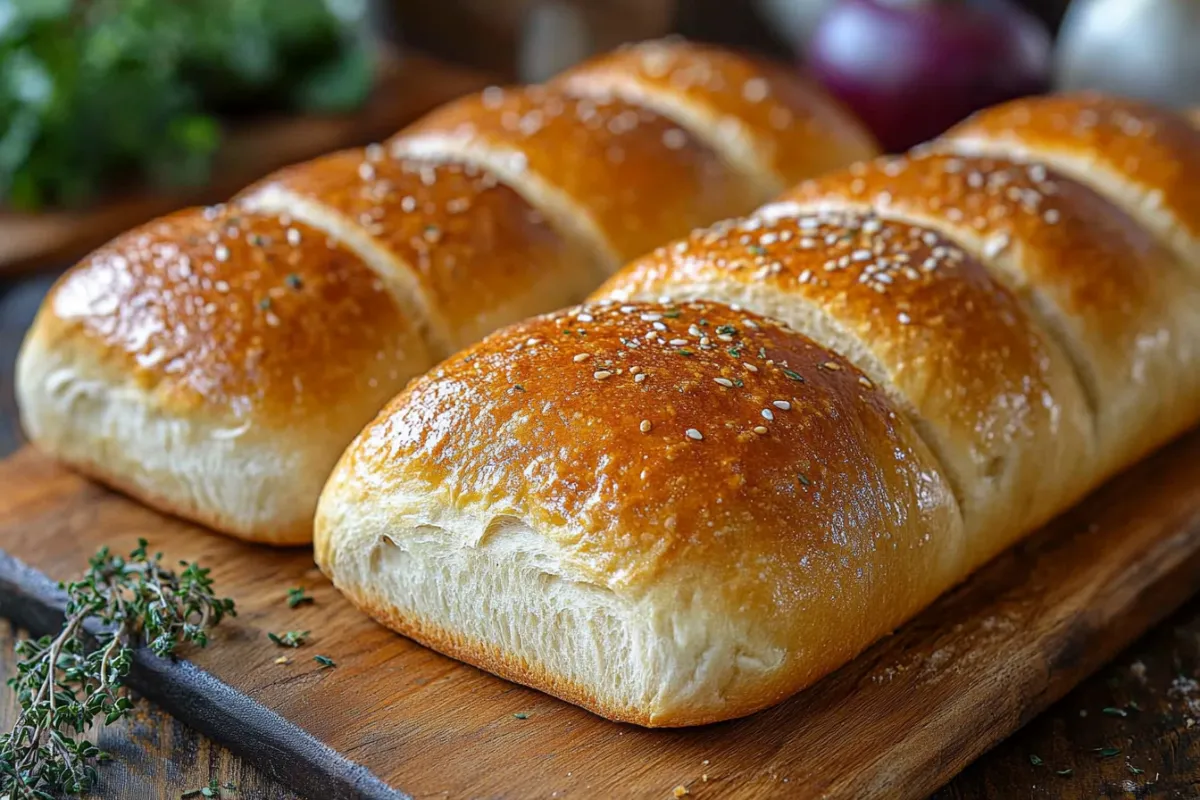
114,111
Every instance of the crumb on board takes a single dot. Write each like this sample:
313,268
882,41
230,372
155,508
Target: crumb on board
680,790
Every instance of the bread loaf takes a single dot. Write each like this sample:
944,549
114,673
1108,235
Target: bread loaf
596,504
668,509
215,364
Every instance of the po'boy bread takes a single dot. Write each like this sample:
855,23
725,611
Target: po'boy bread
670,510
501,205
209,364
597,504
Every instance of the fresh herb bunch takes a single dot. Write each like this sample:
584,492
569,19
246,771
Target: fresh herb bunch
65,683
95,92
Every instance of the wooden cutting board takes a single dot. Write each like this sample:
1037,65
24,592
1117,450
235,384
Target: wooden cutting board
407,88
393,718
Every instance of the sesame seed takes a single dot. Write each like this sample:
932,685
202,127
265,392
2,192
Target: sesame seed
601,374
694,434
768,414
755,90
833,365
581,357
531,341
639,377
750,367
651,317
293,237
674,139
645,426
728,384
221,253
760,430
658,326
632,370
678,342
865,381
995,245
782,405
903,318
1051,216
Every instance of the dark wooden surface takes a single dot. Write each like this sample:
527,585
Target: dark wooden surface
1152,684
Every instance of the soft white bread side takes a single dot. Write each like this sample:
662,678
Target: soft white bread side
210,365
668,514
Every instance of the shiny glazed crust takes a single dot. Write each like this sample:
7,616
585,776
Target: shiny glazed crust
995,399
621,177
1143,159
1122,306
466,250
760,116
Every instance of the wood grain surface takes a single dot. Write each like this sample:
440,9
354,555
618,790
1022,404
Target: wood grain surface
898,722
154,756
407,88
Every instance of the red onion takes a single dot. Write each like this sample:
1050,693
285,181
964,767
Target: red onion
912,68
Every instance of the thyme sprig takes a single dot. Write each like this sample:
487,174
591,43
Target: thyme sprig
64,683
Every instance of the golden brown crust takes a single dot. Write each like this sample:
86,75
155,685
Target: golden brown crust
639,177
993,397
474,246
1118,302
1144,159
471,423
767,118
235,312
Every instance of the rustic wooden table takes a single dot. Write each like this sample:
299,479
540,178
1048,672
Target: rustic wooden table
1145,705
